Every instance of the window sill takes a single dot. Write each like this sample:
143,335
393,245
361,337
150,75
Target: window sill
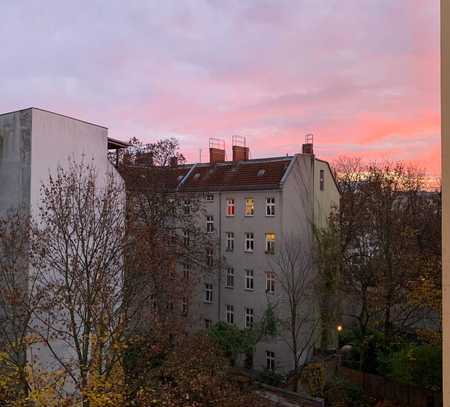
249,289
229,250
248,251
270,216
207,302
229,287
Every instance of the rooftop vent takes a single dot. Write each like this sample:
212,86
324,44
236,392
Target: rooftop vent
197,176
261,172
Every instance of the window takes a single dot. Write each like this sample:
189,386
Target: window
322,180
210,224
186,271
230,278
249,207
208,293
270,206
249,242
270,243
184,306
230,207
270,360
230,314
186,238
249,317
209,257
249,280
270,282
230,241
209,197
187,206
208,323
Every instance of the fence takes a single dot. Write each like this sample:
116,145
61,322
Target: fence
383,388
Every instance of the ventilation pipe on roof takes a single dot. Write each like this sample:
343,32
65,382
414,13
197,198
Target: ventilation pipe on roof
240,151
216,150
307,147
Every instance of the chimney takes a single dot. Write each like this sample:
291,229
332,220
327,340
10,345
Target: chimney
240,151
307,147
216,151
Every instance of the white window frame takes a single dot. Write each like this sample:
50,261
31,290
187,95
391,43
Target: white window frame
209,257
209,224
186,238
270,206
229,280
208,293
249,210
249,317
229,313
231,207
184,306
230,241
187,206
186,271
209,198
270,243
270,282
249,280
322,180
270,360
249,242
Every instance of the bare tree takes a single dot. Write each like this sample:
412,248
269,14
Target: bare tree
295,309
80,314
17,300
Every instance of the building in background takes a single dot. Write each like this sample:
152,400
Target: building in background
256,208
33,144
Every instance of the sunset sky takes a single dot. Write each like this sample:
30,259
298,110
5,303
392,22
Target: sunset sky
361,75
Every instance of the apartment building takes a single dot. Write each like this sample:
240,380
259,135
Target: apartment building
254,207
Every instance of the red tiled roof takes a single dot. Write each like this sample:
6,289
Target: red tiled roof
251,174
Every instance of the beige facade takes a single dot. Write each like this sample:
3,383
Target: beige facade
445,131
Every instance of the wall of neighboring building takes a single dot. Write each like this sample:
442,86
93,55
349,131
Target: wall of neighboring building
56,139
327,198
15,159
445,123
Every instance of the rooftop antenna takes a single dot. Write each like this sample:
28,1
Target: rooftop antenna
200,155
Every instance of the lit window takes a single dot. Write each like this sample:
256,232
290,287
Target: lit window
209,257
230,314
184,306
249,280
186,238
187,206
230,241
208,323
249,242
186,271
208,293
230,207
209,197
270,243
249,207
270,206
322,180
270,282
249,314
210,224
270,360
230,278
